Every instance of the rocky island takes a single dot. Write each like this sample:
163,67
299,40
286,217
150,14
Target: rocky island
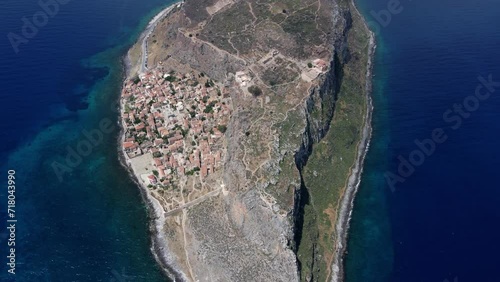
246,124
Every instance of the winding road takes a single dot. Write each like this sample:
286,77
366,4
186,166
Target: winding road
147,32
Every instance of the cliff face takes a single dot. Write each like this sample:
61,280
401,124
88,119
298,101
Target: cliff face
284,65
333,147
319,109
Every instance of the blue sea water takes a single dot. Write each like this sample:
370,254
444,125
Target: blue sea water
440,224
91,224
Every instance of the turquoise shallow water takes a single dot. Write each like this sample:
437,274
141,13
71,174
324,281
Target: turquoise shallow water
370,253
92,225
88,223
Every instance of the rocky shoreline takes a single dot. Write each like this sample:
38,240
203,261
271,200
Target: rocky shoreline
129,65
159,246
347,202
157,215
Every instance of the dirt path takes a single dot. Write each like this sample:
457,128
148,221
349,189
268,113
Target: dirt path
194,202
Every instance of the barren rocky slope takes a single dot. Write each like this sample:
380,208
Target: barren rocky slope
296,75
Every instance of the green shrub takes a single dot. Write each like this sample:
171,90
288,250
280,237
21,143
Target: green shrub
222,128
171,78
255,90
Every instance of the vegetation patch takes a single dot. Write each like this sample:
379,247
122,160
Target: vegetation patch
281,72
228,22
330,164
255,90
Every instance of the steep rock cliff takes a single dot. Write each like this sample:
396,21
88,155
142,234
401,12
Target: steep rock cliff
268,221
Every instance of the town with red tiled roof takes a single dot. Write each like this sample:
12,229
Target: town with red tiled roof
179,120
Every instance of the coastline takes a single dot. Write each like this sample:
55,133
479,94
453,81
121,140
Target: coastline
354,180
159,246
129,65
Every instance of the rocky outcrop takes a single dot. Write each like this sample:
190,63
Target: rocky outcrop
318,111
252,230
239,239
205,58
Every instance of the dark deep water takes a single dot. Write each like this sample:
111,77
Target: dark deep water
441,223
91,224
